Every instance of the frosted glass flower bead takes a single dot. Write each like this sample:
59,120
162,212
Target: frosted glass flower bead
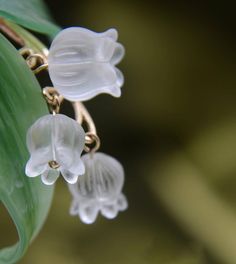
99,189
55,143
81,63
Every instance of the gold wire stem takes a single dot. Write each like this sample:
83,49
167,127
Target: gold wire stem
82,116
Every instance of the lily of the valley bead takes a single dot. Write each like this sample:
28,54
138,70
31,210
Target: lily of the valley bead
99,189
55,143
81,63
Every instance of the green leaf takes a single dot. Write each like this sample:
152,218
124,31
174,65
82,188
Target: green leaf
26,199
30,41
31,14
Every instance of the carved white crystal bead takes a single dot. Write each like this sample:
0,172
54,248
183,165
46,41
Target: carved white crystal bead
99,189
55,143
81,63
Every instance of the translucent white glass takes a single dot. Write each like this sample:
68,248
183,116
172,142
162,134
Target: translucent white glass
55,139
99,189
82,63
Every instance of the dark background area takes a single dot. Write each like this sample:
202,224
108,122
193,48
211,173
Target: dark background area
174,131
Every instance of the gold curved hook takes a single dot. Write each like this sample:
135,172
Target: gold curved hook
82,116
37,62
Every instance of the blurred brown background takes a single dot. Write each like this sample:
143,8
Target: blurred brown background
173,129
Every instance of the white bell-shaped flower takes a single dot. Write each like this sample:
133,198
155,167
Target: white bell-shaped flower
81,63
55,143
99,189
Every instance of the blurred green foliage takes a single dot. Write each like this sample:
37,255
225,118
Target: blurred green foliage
31,14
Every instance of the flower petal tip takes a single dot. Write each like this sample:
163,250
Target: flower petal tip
50,176
112,33
32,169
71,178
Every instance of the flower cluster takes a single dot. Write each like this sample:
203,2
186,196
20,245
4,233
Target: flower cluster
81,65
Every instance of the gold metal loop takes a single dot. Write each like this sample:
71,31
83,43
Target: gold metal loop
40,68
55,108
53,99
39,57
92,142
34,60
53,164
26,52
